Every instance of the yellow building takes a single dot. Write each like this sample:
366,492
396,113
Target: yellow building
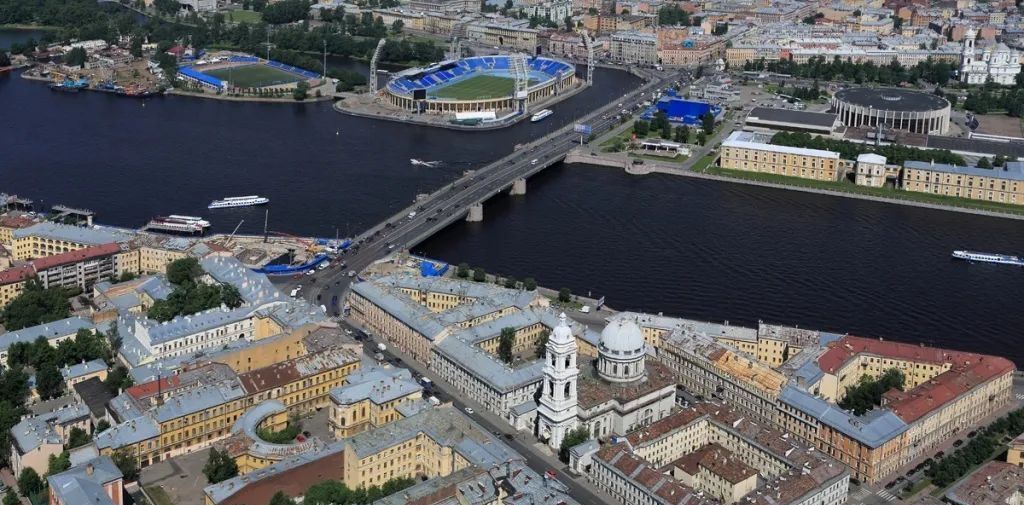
1015,455
741,152
410,20
47,239
371,399
174,416
9,223
1000,184
12,282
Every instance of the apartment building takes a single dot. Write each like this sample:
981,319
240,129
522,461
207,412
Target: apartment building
445,450
999,184
371,399
36,438
741,152
83,267
195,408
10,223
48,239
708,454
54,332
634,48
12,282
96,481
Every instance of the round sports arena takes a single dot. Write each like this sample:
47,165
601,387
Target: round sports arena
895,108
479,83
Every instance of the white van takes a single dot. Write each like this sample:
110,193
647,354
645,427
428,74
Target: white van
412,214
534,161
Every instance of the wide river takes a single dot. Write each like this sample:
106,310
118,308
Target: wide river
684,247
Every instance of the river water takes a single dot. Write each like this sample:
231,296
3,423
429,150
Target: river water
10,36
692,248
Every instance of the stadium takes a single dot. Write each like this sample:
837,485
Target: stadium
895,108
222,73
478,84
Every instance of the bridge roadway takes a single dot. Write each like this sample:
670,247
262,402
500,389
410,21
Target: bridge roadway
450,203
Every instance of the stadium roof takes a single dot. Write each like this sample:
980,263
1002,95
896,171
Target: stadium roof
894,99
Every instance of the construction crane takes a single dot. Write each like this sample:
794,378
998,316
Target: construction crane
227,243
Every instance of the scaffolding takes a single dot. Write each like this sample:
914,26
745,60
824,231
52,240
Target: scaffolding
373,66
521,74
589,43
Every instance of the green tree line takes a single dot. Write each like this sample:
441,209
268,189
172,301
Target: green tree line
895,154
838,69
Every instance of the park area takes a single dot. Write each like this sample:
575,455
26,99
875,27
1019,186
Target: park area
478,88
253,76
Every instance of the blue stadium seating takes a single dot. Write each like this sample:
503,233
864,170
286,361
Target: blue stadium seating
201,77
540,69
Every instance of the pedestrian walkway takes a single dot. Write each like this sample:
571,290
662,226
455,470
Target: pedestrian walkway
887,495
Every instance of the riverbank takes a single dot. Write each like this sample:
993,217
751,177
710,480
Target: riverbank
227,98
43,28
705,169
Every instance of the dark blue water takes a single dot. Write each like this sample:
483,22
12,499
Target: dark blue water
130,160
719,251
10,36
685,247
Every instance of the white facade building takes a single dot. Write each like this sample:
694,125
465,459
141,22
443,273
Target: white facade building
998,62
557,410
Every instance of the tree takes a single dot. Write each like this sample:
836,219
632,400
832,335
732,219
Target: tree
505,343
118,379
568,23
511,283
127,463
683,134
897,22
397,26
542,343
35,306
529,284
641,128
49,382
564,295
479,274
184,270
301,91
999,160
666,131
983,162
280,498
57,463
867,393
77,438
102,425
462,271
166,6
5,59
708,123
11,498
575,437
702,137
219,467
29,483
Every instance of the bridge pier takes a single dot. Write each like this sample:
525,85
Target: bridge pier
518,187
475,213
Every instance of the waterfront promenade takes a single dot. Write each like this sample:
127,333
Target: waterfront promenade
686,169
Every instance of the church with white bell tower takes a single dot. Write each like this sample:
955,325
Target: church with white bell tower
557,412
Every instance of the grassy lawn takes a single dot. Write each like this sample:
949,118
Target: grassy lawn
159,496
243,16
918,486
704,163
478,87
863,190
253,76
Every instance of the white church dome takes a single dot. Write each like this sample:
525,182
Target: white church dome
622,336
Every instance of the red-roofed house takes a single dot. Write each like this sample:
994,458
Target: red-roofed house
12,282
10,223
946,392
81,268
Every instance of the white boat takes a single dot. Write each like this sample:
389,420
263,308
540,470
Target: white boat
176,225
422,163
238,201
1002,259
541,115
198,221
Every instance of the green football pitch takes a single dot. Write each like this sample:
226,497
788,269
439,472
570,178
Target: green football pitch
479,87
253,76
